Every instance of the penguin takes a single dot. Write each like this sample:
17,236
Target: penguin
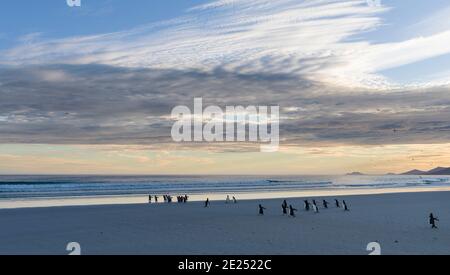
315,208
345,206
292,211
306,205
433,220
284,207
261,210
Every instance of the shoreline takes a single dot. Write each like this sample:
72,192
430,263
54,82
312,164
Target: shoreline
44,202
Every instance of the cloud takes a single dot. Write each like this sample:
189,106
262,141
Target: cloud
30,38
246,36
119,88
433,23
391,55
110,105
321,40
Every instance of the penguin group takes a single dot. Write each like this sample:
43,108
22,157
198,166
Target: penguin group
168,199
315,207
290,210
287,210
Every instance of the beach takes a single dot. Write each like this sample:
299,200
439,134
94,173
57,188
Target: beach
397,221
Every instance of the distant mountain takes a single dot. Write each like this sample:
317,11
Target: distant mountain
435,171
414,172
355,174
439,171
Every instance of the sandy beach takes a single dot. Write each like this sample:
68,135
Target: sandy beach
399,222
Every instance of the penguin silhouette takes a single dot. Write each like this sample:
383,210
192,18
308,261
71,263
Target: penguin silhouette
433,220
306,205
261,210
292,211
284,207
315,208
345,205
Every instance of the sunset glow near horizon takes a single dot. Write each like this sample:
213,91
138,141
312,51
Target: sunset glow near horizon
90,89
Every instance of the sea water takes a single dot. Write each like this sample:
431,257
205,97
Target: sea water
71,186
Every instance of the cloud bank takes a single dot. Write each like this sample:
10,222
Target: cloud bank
308,57
96,104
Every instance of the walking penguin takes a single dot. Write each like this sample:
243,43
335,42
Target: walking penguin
315,208
433,220
284,207
261,210
292,211
306,205
345,205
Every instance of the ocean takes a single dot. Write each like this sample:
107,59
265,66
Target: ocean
43,186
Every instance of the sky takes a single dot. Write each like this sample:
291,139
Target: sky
362,85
